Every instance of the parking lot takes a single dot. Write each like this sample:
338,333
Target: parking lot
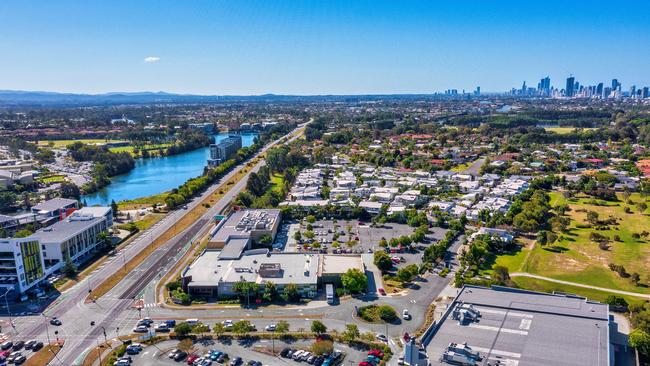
249,350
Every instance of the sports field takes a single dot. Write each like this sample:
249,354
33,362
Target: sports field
575,257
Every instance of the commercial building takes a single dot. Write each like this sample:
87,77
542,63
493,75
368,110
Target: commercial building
55,209
21,264
243,228
230,258
224,150
513,326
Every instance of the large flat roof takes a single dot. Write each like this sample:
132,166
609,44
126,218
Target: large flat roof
54,204
63,230
242,223
297,268
521,327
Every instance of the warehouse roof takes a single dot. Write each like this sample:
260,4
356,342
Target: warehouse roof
525,327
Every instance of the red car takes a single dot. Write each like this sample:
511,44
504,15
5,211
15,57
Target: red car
376,353
191,359
382,292
364,363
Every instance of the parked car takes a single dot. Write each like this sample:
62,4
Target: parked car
6,345
140,329
236,361
406,315
382,338
270,328
37,346
18,345
173,353
29,344
20,360
180,356
191,358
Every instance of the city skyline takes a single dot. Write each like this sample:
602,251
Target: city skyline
316,48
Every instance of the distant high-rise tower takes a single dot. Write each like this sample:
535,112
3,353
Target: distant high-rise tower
645,92
545,86
615,84
478,91
570,85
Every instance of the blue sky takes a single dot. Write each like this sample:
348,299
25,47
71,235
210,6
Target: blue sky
318,47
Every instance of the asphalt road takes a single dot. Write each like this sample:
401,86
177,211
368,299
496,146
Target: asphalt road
114,313
109,312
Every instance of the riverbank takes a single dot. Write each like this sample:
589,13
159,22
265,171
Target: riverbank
152,178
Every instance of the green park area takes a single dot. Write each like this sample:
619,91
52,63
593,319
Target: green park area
606,244
563,130
64,143
137,150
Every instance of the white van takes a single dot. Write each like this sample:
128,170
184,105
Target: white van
192,321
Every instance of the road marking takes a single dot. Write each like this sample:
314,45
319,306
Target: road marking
525,324
497,352
501,312
497,329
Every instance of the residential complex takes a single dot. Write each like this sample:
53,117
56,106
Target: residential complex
224,150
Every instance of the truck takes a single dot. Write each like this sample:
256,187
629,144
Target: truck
329,291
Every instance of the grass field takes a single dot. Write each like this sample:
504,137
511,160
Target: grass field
578,259
461,167
563,130
277,182
142,202
64,143
153,148
44,356
546,286
52,179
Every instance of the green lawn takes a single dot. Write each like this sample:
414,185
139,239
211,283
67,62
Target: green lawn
461,167
277,182
64,143
563,130
52,179
152,148
579,259
546,286
142,201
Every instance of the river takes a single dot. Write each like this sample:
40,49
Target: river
157,175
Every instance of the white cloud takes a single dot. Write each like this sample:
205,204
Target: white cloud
151,59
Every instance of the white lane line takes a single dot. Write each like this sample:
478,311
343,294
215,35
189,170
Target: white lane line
497,329
501,312
497,352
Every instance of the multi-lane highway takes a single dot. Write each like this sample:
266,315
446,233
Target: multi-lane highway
115,313
117,304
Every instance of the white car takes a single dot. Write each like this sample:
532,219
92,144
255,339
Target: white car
382,338
270,328
140,329
406,315
227,323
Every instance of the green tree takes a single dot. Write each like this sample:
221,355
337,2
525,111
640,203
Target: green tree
354,280
242,328
7,200
23,233
270,291
318,327
70,190
500,275
408,273
69,268
387,313
382,260
640,340
114,208
200,328
218,329
351,333
182,329
291,293
282,327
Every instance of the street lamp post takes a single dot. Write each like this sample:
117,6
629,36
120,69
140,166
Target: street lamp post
8,309
47,330
99,351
